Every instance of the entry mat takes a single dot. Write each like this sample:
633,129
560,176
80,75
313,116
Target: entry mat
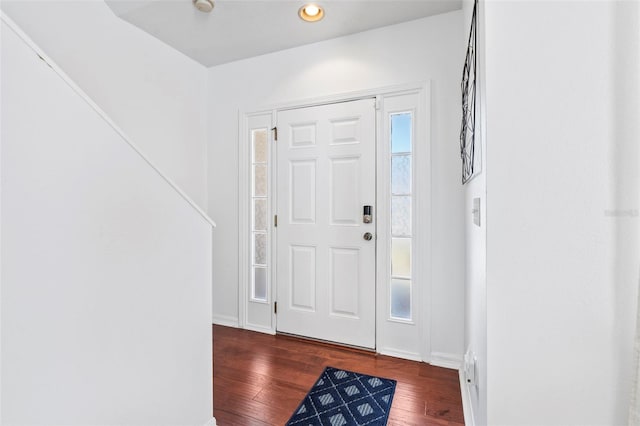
345,398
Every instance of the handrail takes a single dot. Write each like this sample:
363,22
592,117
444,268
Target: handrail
24,37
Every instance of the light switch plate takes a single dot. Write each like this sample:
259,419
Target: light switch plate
476,211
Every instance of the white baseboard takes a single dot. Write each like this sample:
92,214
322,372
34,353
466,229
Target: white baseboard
467,407
225,320
211,422
441,359
259,329
397,353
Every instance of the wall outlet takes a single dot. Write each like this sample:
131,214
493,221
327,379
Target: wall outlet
470,368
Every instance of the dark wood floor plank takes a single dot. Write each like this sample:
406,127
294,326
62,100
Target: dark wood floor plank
260,379
285,396
226,418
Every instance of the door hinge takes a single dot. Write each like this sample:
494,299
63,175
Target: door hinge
275,308
275,221
275,133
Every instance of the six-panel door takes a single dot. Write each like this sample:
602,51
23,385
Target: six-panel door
325,267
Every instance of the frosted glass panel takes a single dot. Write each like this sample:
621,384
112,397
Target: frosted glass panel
401,299
401,257
401,174
401,187
260,146
260,181
260,215
260,247
401,133
400,216
260,284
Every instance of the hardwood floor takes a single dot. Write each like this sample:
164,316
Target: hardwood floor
260,379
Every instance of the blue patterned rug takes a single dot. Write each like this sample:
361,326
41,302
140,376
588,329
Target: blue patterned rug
345,398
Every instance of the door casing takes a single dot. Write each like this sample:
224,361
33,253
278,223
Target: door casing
423,250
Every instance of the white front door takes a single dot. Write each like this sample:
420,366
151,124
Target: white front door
325,267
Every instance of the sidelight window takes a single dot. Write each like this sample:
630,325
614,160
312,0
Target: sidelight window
401,202
259,214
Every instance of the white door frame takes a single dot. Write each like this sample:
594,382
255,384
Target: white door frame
421,209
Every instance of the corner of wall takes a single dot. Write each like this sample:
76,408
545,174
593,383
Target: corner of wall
446,360
226,320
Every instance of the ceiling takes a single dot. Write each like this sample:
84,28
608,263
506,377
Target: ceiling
238,29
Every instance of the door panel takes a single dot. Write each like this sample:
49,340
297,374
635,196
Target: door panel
344,275
303,278
302,191
325,269
344,186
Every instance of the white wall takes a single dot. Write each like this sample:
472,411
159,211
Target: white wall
562,210
416,51
155,94
106,270
476,241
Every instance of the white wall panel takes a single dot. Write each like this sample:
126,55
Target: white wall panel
563,227
476,241
155,94
106,270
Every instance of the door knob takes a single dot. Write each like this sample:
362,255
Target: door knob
367,236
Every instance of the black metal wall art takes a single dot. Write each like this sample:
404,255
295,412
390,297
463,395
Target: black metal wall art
468,86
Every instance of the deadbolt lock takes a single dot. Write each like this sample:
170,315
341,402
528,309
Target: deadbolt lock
366,214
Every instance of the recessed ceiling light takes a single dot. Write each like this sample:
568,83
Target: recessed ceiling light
311,12
203,5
